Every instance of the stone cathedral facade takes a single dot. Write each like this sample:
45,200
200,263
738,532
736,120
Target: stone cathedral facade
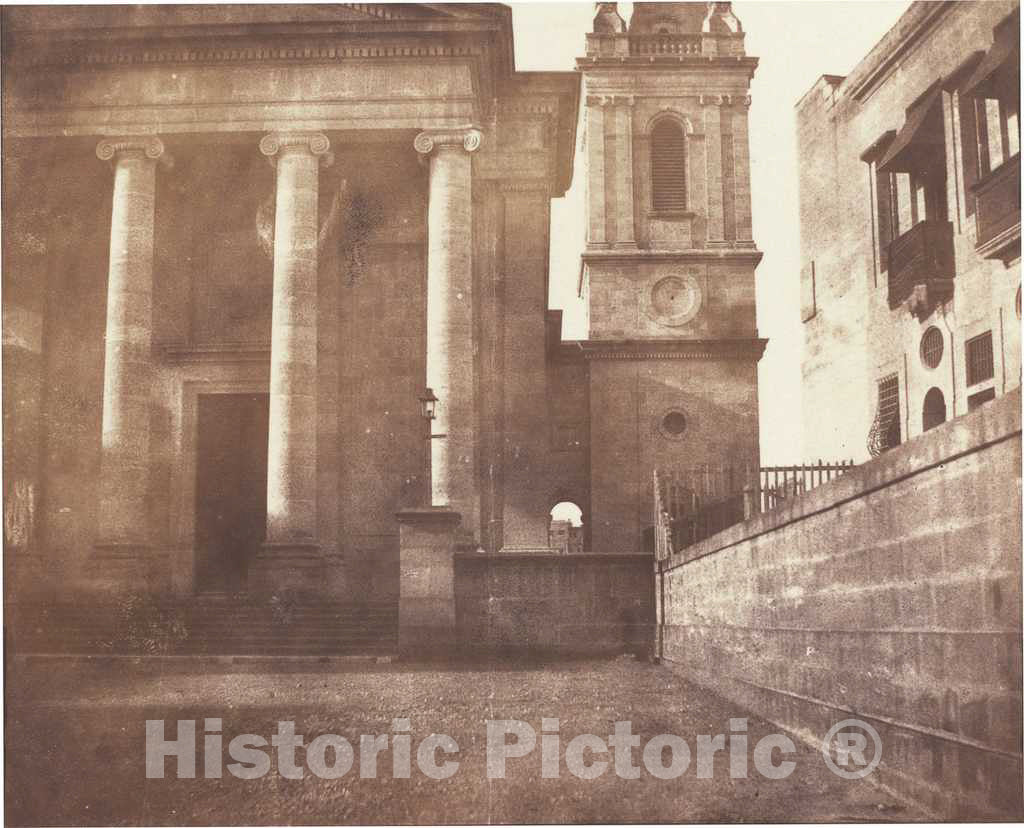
242,242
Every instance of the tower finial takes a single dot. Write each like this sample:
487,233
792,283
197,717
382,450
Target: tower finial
608,20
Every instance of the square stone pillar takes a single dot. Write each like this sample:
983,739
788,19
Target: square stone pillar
426,604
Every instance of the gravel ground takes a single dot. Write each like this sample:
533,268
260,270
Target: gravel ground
76,748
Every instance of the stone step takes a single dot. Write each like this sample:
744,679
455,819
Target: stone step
212,624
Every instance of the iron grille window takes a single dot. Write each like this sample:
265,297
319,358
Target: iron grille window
931,347
979,358
885,432
668,167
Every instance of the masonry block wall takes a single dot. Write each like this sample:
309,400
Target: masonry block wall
630,399
570,604
892,594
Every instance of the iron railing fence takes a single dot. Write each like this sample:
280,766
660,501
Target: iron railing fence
692,504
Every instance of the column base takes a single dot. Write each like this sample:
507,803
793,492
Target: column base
123,567
428,539
282,566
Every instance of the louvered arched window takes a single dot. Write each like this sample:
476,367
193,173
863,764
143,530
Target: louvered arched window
668,166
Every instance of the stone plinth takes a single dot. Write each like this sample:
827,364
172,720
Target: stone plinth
426,606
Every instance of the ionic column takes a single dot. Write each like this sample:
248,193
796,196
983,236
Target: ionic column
291,553
127,373
450,316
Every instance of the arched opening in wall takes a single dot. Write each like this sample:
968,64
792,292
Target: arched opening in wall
934,412
668,166
565,529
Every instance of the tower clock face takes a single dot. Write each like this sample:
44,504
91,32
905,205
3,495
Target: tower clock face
675,300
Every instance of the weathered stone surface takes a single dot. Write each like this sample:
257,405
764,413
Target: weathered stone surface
892,593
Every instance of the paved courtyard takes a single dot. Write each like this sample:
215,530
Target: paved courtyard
76,747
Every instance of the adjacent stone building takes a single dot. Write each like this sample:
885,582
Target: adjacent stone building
910,230
276,280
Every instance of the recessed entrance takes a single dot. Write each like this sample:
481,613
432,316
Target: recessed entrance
231,488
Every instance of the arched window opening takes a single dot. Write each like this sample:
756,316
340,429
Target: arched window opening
668,166
934,409
565,531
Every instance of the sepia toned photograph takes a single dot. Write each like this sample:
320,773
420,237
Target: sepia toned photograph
543,413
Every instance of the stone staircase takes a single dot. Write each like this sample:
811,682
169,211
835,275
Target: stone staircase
206,624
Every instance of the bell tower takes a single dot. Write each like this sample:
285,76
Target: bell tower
668,269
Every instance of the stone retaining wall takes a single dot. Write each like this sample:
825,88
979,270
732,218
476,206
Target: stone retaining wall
893,595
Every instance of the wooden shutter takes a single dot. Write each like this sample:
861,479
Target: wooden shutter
668,167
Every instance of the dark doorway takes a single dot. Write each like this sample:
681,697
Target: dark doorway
231,488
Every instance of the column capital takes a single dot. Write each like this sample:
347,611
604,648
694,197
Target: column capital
149,146
315,143
468,138
606,100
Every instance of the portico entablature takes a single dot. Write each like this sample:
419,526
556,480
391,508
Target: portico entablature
258,97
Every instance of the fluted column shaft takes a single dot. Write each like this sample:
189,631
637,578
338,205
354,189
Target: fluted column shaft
291,458
127,373
450,317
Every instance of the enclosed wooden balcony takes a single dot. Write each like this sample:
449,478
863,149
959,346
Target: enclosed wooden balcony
998,211
921,256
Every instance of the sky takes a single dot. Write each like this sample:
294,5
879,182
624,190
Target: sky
797,42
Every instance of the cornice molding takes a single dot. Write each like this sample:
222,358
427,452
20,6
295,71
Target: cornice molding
662,62
131,54
589,350
870,79
745,255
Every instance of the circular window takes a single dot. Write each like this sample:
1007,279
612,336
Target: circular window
931,347
675,300
673,424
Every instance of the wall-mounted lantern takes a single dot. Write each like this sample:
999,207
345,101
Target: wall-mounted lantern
428,403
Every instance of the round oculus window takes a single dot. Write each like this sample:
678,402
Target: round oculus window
675,300
932,347
673,424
